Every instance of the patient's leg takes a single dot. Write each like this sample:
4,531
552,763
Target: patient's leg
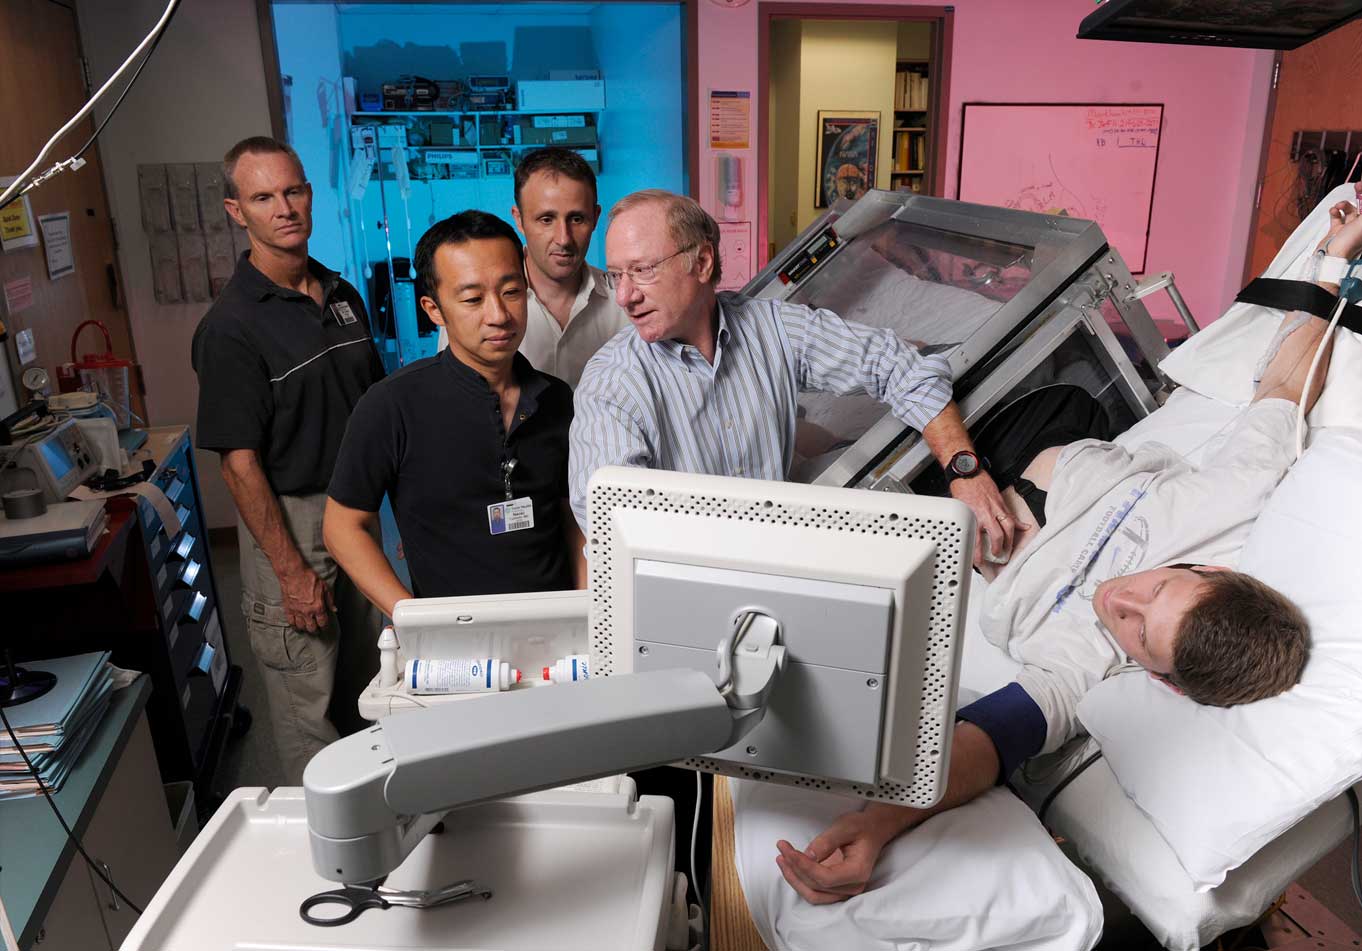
1284,378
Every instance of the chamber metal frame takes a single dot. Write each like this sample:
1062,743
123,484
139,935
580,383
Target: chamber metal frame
1081,283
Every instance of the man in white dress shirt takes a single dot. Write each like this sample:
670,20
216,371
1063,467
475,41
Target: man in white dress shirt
571,311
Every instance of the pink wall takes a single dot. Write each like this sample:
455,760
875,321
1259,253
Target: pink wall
1024,51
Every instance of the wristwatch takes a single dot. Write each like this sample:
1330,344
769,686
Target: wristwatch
964,465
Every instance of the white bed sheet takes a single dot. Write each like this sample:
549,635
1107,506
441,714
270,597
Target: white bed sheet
1115,840
984,876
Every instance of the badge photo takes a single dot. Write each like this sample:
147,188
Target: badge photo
513,515
344,314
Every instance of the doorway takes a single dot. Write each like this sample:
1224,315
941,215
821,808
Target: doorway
854,98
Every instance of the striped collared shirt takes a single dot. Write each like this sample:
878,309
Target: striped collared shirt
662,406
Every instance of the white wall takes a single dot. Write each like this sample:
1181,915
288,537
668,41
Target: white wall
202,91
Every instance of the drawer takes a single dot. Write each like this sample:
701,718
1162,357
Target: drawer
180,587
187,639
200,700
153,528
186,610
176,550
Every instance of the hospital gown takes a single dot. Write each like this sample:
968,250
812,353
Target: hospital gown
1158,509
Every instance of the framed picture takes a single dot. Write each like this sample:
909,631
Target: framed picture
1094,160
848,146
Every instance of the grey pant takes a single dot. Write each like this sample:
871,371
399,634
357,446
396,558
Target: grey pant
312,680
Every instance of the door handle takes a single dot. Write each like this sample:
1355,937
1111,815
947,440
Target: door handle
108,880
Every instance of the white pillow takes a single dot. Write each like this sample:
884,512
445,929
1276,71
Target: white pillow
1221,783
1219,361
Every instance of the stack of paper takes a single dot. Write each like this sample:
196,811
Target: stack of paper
54,728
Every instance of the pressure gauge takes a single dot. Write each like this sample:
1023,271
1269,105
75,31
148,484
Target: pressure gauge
34,380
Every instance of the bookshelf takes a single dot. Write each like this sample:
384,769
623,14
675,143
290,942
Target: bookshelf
912,111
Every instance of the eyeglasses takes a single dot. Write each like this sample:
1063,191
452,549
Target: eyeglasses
640,273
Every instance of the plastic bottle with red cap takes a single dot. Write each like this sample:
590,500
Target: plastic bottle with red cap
574,668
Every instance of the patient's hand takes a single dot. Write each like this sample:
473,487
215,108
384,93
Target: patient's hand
1344,239
839,862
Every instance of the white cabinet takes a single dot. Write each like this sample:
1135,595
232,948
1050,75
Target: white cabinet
131,837
73,922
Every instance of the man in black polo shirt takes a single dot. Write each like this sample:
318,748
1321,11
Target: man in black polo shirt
471,444
282,358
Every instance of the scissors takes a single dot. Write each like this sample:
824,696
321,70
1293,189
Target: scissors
357,899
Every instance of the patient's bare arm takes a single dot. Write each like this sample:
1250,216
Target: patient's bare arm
838,863
1284,377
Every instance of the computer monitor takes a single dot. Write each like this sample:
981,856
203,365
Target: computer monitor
1266,24
869,589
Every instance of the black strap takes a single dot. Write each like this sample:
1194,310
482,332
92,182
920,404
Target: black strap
1063,783
1300,295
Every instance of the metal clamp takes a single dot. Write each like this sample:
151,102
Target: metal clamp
750,661
1165,282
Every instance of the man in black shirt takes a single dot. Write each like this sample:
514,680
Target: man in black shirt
282,357
471,444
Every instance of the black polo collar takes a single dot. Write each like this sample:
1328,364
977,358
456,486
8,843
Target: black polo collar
532,382
258,286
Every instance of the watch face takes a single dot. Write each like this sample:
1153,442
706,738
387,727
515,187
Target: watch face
965,463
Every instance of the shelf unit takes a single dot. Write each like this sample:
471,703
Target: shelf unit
912,109
491,157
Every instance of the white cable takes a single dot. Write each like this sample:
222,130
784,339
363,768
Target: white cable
1310,376
694,834
20,182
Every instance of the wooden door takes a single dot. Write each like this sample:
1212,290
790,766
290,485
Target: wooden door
1316,89
41,86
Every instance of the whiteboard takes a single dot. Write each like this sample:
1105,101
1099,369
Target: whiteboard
1085,160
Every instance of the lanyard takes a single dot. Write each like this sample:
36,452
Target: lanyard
507,467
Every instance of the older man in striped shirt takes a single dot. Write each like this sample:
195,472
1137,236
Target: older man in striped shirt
709,382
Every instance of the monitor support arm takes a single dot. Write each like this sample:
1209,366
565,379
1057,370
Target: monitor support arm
372,796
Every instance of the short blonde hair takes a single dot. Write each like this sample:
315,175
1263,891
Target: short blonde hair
688,225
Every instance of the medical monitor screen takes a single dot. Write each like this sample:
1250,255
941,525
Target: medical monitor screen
1254,24
869,592
57,458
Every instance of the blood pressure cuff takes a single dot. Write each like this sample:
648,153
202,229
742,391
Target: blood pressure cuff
1300,295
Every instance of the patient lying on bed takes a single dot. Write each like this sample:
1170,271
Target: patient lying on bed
1126,565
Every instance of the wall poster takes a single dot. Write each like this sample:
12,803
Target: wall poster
848,147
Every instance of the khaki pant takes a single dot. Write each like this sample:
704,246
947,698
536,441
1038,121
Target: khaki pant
312,680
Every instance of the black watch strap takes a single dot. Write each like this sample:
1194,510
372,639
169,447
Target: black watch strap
953,472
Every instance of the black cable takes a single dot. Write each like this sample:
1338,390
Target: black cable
1357,844
47,794
1045,806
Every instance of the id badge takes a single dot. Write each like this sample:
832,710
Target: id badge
513,515
344,314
